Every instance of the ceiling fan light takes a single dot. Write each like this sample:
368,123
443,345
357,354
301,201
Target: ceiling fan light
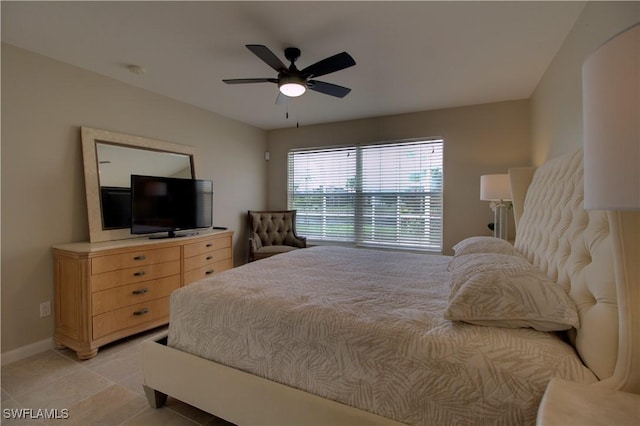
292,89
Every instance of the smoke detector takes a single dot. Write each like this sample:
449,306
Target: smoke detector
136,69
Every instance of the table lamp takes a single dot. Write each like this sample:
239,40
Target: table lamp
497,190
611,124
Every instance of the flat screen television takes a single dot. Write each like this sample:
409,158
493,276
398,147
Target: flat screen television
164,204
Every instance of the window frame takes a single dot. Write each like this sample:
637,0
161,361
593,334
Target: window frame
431,201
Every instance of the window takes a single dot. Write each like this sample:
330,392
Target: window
379,195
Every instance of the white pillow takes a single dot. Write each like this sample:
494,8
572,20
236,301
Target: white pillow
513,299
462,268
473,245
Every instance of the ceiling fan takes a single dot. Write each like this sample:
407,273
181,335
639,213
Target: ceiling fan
293,82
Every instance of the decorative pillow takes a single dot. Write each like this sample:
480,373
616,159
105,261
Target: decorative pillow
473,245
513,299
462,268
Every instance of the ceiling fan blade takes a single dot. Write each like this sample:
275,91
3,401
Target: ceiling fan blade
267,56
331,64
329,88
250,80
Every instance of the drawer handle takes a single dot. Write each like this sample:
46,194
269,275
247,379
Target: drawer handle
141,291
141,312
209,257
141,257
209,244
139,274
209,272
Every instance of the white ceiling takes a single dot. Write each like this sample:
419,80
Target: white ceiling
411,56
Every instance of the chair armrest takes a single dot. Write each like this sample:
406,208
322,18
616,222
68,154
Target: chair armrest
255,244
300,242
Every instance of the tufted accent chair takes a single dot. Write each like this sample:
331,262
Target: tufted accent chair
273,232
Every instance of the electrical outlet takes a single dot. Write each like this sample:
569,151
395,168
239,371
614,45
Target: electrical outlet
45,309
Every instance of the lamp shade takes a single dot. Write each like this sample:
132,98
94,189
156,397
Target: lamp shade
292,90
611,124
292,86
495,187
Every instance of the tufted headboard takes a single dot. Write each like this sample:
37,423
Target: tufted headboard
593,255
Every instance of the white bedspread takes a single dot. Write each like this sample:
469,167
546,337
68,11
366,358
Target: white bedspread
365,328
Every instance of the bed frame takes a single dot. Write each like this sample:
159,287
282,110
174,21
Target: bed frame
594,255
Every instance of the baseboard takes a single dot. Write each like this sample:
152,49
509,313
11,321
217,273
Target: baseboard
26,351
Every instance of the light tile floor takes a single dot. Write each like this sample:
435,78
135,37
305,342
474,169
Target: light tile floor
105,390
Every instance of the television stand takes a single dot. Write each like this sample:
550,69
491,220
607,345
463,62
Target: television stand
173,234
169,234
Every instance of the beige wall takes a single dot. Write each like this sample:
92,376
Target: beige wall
478,139
43,104
556,105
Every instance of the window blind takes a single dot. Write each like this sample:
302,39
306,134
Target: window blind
378,195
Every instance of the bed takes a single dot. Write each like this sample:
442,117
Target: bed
332,335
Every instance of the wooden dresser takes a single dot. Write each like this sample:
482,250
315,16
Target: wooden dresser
107,291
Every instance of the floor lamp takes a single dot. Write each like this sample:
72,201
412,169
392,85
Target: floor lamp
496,189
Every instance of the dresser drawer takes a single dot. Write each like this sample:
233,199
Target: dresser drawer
205,259
134,275
114,298
205,271
130,316
131,259
207,245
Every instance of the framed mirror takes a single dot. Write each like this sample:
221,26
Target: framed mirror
110,159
